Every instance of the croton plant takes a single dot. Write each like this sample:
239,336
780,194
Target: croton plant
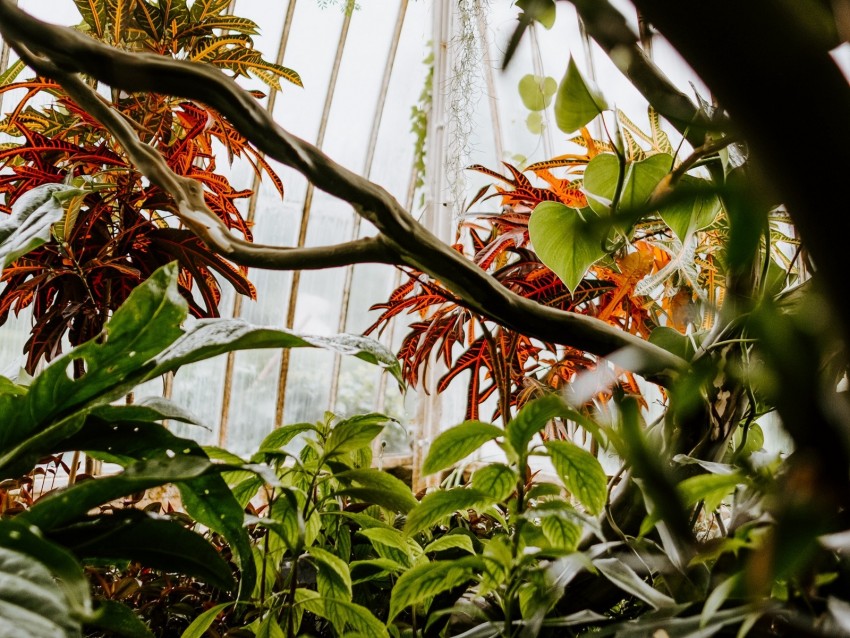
118,228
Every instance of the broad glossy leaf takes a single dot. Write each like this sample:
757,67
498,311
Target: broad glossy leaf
577,102
157,542
378,488
497,480
31,603
33,213
567,240
457,443
440,504
207,338
532,418
581,473
561,532
148,409
696,210
281,436
425,581
641,178
20,539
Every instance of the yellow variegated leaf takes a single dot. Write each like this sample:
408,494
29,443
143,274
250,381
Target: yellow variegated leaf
120,16
94,15
8,76
660,140
203,9
208,49
241,61
225,23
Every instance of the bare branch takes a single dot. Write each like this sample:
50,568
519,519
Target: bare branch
402,236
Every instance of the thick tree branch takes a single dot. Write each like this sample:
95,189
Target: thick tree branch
609,29
412,243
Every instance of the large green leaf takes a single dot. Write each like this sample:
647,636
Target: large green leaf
624,577
497,480
532,418
210,337
695,207
567,240
31,603
157,542
118,619
576,102
602,175
711,488
19,540
425,581
355,433
440,504
349,614
581,473
198,627
378,488
458,442
33,214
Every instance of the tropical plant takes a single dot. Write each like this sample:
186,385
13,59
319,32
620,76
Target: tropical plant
117,228
56,414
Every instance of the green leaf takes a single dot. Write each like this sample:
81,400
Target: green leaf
207,338
711,488
532,418
497,480
673,341
534,123
351,614
450,541
9,75
22,539
423,582
198,627
576,103
581,473
157,542
354,433
270,628
561,532
148,409
641,178
627,579
567,240
363,571
440,504
118,619
64,506
378,488
333,580
537,91
33,213
31,603
392,544
697,209
457,443
281,436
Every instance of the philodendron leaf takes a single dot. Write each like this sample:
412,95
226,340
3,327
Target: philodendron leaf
567,240
457,443
425,581
641,178
581,473
577,102
696,209
28,227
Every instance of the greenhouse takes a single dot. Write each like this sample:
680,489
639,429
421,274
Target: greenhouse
429,318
